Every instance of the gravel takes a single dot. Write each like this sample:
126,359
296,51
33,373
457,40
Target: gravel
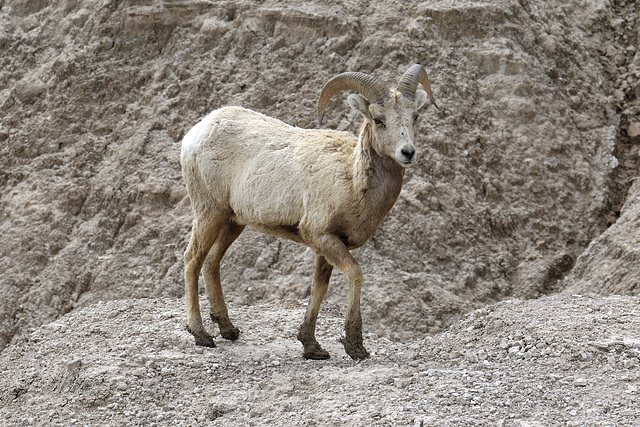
558,360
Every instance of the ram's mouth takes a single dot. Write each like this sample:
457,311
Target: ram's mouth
406,164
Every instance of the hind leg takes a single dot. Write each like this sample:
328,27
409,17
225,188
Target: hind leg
211,272
204,233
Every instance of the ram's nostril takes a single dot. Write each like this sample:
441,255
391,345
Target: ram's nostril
408,152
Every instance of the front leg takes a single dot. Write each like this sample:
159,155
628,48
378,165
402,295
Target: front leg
332,248
352,341
306,334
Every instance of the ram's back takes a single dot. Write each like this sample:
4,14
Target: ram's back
267,173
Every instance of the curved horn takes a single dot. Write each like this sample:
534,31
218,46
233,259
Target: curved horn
409,82
370,87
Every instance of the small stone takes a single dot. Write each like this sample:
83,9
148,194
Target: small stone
30,89
401,382
74,364
580,382
262,264
634,129
472,357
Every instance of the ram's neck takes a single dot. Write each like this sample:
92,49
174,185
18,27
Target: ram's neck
378,180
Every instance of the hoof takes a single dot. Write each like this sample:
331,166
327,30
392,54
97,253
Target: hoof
227,330
315,352
203,339
355,349
231,334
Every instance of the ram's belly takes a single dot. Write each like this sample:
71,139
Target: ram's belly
290,232
267,201
268,224
268,214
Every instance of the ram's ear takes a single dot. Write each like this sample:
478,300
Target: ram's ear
421,98
359,103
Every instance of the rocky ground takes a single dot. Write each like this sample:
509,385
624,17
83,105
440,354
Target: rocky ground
571,360
525,192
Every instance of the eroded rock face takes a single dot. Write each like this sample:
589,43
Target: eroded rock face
609,266
514,177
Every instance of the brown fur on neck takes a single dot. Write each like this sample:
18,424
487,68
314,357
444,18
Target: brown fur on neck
378,181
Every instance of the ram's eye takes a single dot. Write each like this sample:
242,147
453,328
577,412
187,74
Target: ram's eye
415,118
379,122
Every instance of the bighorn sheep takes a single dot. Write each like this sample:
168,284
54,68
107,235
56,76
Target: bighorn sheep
326,189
